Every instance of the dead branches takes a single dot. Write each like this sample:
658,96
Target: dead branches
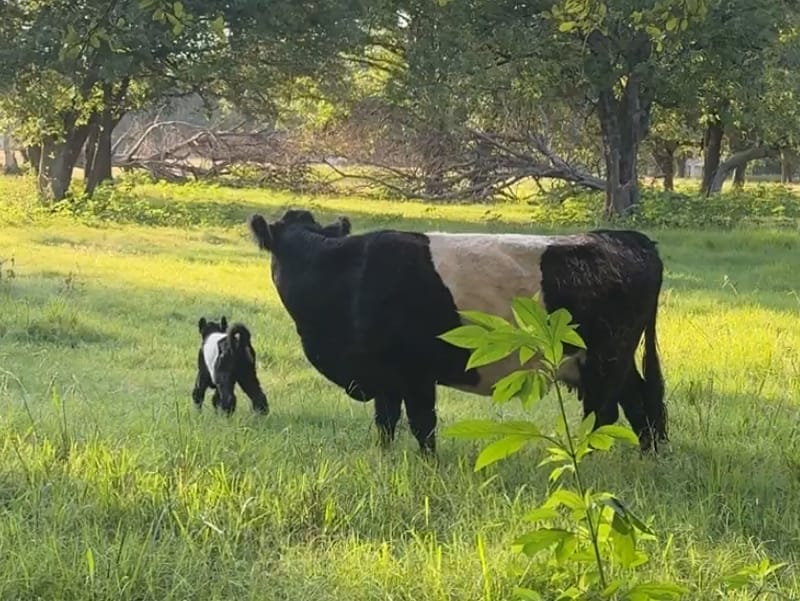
177,151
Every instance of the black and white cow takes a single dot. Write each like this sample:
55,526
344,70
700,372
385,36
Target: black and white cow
368,309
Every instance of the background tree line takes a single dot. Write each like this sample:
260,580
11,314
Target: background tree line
447,99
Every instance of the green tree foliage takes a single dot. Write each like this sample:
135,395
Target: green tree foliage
71,70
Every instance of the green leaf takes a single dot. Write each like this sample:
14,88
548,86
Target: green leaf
468,337
672,24
489,429
530,315
619,433
542,513
500,449
90,563
534,388
586,425
487,354
218,25
612,588
570,594
527,594
147,3
510,385
526,353
658,591
572,337
619,508
567,26
565,497
624,542
600,441
566,548
492,322
534,542
559,322
738,580
556,473
177,8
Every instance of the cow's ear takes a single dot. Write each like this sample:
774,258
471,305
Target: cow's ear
262,231
223,323
338,229
201,325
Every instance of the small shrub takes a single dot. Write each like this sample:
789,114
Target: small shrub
592,537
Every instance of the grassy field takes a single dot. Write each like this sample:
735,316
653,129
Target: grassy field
113,487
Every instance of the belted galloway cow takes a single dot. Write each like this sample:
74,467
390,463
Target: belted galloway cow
369,308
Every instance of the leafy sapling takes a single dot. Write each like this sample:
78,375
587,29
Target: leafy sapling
591,535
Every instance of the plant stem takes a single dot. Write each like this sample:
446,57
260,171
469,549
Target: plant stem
579,484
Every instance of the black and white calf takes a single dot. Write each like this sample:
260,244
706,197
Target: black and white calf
226,357
368,309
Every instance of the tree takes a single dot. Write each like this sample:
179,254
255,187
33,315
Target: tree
623,51
73,70
726,76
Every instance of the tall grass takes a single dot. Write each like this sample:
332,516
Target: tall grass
112,486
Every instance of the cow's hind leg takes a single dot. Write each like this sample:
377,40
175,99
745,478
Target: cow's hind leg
647,418
387,413
631,398
420,399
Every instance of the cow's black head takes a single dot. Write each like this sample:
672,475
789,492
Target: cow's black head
268,235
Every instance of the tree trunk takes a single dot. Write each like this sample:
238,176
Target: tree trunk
682,160
664,155
712,150
91,148
788,162
100,169
738,160
34,157
621,124
10,165
56,162
739,176
738,143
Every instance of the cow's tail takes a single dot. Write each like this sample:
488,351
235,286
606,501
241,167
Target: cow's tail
651,370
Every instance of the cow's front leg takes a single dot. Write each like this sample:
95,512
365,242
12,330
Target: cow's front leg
387,413
420,402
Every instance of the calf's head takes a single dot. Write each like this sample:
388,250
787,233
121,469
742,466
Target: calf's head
209,327
269,236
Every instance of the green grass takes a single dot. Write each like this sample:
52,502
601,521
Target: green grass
113,487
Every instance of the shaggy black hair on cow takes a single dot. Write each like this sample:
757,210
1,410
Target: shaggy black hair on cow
235,364
369,309
614,307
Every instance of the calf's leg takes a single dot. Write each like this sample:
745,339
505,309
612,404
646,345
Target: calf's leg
248,380
201,383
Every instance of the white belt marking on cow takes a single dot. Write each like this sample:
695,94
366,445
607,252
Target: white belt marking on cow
211,351
484,272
